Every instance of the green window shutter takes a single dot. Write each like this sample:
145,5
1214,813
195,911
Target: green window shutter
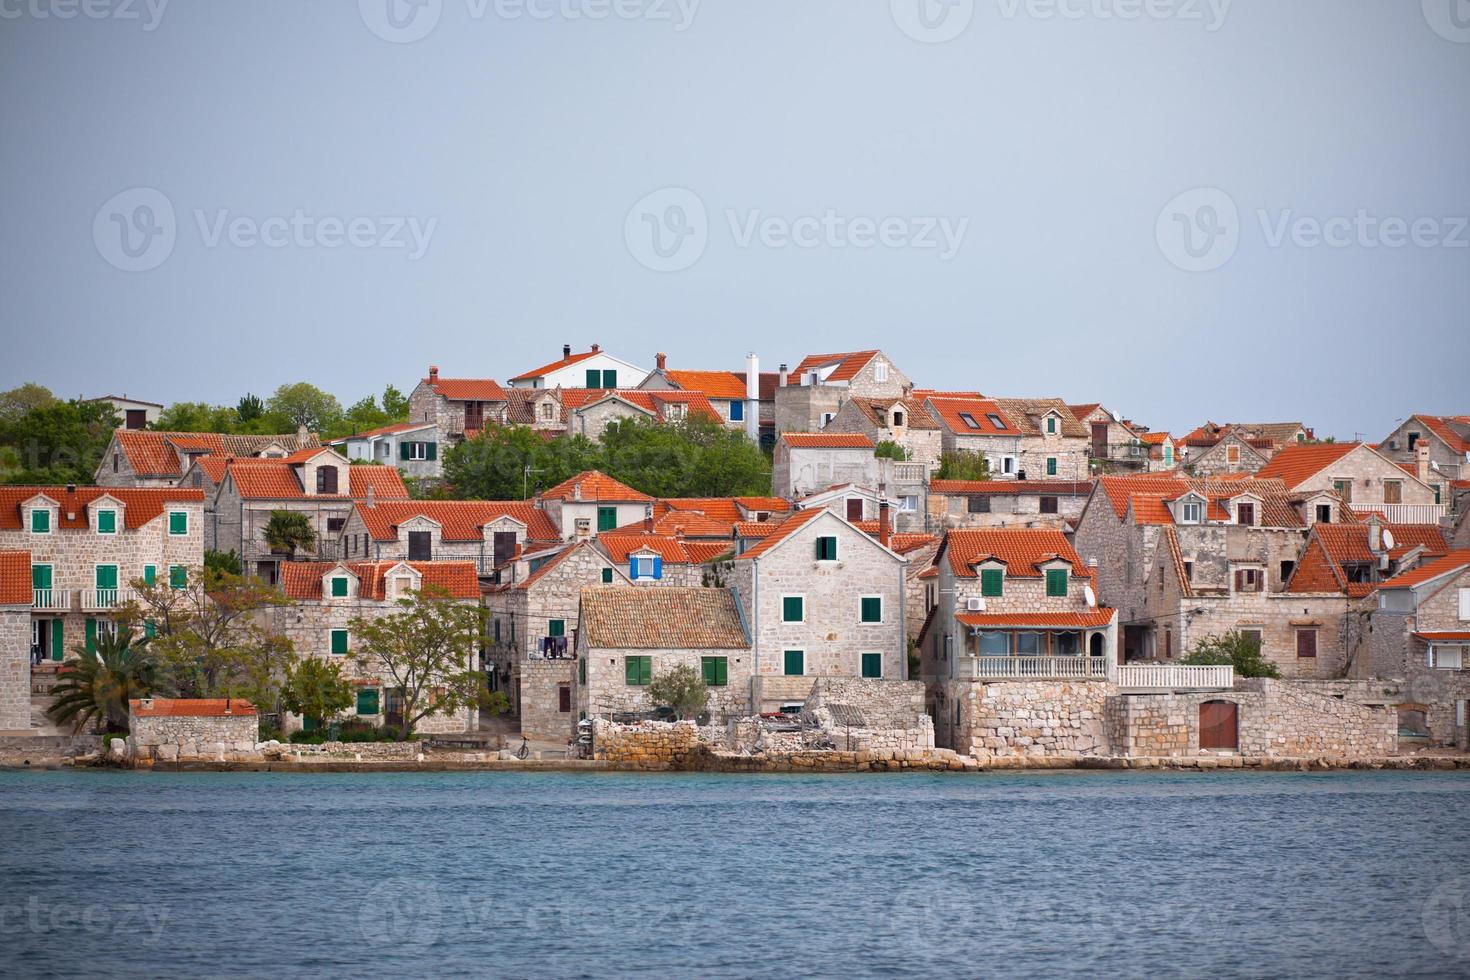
645,672
310,724
150,628
594,378
630,670
582,671
339,642
1051,426
431,449
1056,581
339,587
872,665
715,671
403,450
794,663
609,379
178,577
40,521
992,582
607,576
607,518
638,671
872,609
1051,466
1436,493
792,610
91,635
41,578
826,548
178,522
58,642
107,522
367,701
150,574
556,627
106,578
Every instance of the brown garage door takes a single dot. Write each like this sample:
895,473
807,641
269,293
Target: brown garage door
1218,725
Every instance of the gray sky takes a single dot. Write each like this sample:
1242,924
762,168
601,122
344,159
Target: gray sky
489,177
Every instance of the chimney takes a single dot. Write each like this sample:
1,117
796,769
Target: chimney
371,497
1375,535
433,373
661,360
595,348
783,376
883,521
577,491
566,351
1421,460
753,397
301,433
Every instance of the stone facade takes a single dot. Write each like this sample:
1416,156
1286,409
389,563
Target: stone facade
605,690
1057,719
803,405
958,504
169,738
885,420
1364,478
800,470
1403,445
537,698
1231,454
15,669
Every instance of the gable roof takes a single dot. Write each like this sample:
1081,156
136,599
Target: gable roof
1453,430
1026,413
383,430
15,578
279,479
877,411
594,485
1331,546
155,453
950,412
190,707
303,579
661,618
826,440
1297,464
140,504
1455,561
715,384
459,520
674,550
654,401
847,366
466,389
1023,550
788,526
557,365
767,382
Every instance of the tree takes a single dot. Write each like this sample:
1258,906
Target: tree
427,651
303,404
196,417
315,688
395,404
58,442
222,561
97,687
249,409
362,416
16,402
1240,650
492,465
963,465
288,530
680,688
888,449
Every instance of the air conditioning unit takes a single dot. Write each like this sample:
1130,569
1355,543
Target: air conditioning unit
975,604
1393,444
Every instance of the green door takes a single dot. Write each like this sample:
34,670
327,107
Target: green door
106,578
58,644
41,578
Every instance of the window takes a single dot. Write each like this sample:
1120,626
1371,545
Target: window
1393,491
607,576
1435,488
335,524
607,518
897,418
419,451
420,546
1068,644
1232,454
564,698
40,521
1306,643
1287,567
737,411
1324,513
637,671
827,417
1168,455
1051,466
647,566
594,378
715,670
969,420
326,479
872,665
1344,489
1192,512
609,379
339,642
909,503
556,627
1247,580
880,371
994,643
826,548
872,609
114,463
1051,425
996,421
1008,465
367,701
793,609
1049,505
178,522
1189,571
1245,514
794,663
1028,644
992,582
1465,605
339,587
107,522
178,577
1056,582
979,504
582,671
548,412
1447,658
1414,438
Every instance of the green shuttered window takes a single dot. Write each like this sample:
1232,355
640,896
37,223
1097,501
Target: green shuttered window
40,521
367,701
339,642
339,587
992,582
1056,581
826,548
793,609
607,576
794,663
107,522
1051,466
715,671
872,665
178,522
607,518
178,577
638,671
872,609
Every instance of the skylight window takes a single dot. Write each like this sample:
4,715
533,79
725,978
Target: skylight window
996,420
969,420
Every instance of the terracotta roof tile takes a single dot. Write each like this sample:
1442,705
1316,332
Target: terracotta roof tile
1297,464
661,618
190,707
383,430
15,578
386,482
468,389
1446,636
1454,430
826,440
303,579
1026,414
140,504
1061,620
848,365
788,526
768,382
1452,562
155,453
715,384
461,520
956,414
546,369
879,412
595,485
1022,550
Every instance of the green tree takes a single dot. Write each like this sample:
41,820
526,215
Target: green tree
362,416
303,404
395,404
101,681
58,442
695,457
492,465
1240,650
196,417
222,561
16,402
961,465
427,651
287,531
315,688
888,449
680,688
249,408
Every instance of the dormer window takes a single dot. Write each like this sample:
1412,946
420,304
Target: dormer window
1324,513
339,587
326,479
548,412
107,522
1051,425
1192,512
897,418
992,582
996,420
645,566
1245,514
40,521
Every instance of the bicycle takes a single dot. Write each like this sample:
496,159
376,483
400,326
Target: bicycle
525,749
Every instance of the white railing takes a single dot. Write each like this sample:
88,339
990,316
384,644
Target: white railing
910,472
50,600
1405,513
1037,668
1176,677
97,599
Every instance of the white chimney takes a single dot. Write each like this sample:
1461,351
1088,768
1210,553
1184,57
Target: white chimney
1421,460
753,397
1375,536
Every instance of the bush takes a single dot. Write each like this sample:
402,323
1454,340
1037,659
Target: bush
888,449
1239,650
349,731
963,466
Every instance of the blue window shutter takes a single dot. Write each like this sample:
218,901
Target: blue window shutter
737,411
633,569
658,567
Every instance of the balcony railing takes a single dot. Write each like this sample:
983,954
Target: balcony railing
50,600
1404,513
1038,668
1176,677
910,472
96,600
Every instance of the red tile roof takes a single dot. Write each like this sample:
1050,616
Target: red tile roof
922,395
1331,546
386,482
190,708
1440,425
303,579
826,440
1297,464
140,504
1022,550
715,384
467,389
546,369
1082,411
951,412
1451,636
661,618
848,365
674,551
1452,562
786,528
595,485
655,402
755,529
775,505
155,453
768,382
384,430
15,578
1060,620
460,520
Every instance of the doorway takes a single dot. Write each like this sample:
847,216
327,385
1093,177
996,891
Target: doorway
1219,725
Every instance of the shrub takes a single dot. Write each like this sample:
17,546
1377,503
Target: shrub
1241,650
888,449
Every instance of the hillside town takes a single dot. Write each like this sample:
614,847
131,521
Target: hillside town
947,575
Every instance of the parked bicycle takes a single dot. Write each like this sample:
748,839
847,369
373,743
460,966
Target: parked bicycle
524,750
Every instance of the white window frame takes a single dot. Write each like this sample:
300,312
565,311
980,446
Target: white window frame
908,504
880,372
827,417
1439,664
1191,512
882,610
418,452
640,569
793,595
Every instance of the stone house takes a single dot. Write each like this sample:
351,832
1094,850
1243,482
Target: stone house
585,505
1421,633
1112,441
412,447
327,596
808,462
718,514
1053,504
1021,438
168,729
150,458
1436,447
1227,452
811,396
822,599
490,533
134,413
590,412
1366,480
898,420
735,402
16,596
87,547
593,368
1161,454
630,636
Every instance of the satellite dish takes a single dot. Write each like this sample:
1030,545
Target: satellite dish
1387,538
1090,595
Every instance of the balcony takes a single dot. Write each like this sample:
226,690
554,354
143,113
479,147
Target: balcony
101,600
50,600
1035,668
1402,513
910,473
1155,678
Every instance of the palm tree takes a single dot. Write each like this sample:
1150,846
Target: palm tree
97,687
288,530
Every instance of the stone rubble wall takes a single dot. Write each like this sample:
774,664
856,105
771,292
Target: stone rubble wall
171,738
15,669
1050,719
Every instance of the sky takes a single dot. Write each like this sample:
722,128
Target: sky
1184,209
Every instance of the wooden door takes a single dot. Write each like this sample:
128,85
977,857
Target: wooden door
854,508
1218,725
1100,440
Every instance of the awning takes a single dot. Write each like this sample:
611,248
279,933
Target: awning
1461,636
1060,621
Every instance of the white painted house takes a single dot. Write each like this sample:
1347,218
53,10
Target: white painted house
590,369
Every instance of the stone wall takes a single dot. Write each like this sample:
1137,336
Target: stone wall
1049,719
653,745
606,689
797,471
15,669
1006,510
540,699
172,738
